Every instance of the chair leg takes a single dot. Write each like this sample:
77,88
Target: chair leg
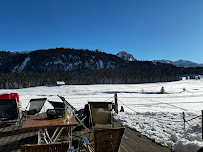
81,121
80,144
16,124
13,128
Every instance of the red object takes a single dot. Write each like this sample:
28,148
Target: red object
10,96
14,95
5,96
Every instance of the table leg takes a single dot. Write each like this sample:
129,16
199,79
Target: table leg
70,136
39,137
58,134
47,134
55,133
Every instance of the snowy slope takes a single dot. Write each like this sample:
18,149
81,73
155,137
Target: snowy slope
158,116
181,63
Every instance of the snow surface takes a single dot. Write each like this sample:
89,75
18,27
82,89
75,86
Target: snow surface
20,69
158,116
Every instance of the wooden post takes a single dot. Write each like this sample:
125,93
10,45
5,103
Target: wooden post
202,124
116,103
184,119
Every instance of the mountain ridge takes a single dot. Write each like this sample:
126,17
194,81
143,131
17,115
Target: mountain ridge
24,60
58,60
78,66
181,63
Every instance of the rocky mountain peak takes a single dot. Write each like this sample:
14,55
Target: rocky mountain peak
125,56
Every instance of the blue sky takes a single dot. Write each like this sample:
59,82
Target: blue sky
147,29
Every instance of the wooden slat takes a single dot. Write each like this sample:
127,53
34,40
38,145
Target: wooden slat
62,147
92,149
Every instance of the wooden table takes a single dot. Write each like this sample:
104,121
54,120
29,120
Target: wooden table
41,123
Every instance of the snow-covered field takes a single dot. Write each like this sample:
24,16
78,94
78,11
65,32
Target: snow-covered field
158,116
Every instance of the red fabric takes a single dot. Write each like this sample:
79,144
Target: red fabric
10,96
5,96
14,95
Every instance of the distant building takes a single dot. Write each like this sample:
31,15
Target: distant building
60,83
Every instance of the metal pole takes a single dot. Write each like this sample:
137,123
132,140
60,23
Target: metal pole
116,103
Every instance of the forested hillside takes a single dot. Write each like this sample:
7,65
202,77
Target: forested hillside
73,66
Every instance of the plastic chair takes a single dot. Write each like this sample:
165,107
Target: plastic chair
101,113
9,110
35,106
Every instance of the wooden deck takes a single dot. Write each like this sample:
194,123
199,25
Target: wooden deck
11,140
138,143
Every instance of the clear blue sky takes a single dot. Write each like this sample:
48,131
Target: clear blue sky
147,29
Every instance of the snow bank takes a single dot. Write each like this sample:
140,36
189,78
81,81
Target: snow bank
166,128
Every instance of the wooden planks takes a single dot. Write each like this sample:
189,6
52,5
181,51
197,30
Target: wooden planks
11,141
53,147
135,142
138,143
40,122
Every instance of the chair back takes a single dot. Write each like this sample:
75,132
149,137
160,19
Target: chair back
53,147
101,112
66,103
57,105
36,105
9,109
108,140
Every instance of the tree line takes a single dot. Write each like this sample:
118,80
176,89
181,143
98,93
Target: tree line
116,76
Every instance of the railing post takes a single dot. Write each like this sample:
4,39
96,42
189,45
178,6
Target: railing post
184,119
116,103
202,124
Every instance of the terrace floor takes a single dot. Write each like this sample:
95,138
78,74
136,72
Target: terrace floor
11,138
